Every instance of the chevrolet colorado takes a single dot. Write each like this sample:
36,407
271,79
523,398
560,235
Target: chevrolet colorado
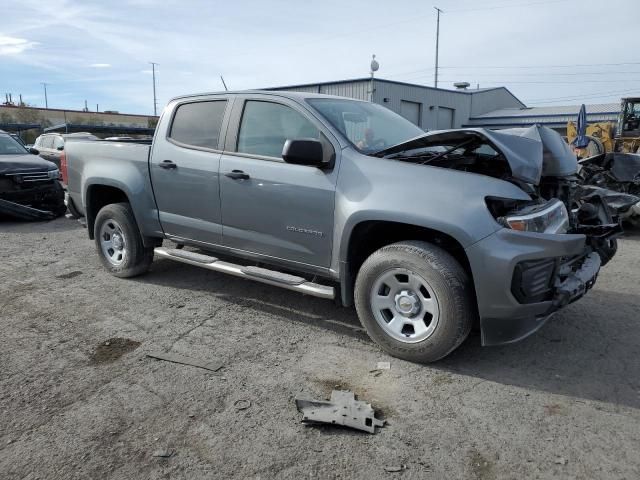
338,198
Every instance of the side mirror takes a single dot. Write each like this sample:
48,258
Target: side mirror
304,151
61,147
34,151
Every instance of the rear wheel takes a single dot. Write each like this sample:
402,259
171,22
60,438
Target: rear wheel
414,299
119,242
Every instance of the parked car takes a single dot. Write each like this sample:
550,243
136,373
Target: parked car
51,145
424,232
29,186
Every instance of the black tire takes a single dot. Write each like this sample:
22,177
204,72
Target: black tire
138,258
447,280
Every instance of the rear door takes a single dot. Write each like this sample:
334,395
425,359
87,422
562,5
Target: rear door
184,169
270,207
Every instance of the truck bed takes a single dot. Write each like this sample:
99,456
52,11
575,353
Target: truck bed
121,165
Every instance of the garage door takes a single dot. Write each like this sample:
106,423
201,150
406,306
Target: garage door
445,118
410,111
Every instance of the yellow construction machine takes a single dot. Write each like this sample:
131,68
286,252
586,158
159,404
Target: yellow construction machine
623,136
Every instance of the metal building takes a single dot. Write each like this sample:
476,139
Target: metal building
554,117
429,108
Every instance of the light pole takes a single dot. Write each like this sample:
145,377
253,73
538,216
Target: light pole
374,68
435,82
155,102
46,102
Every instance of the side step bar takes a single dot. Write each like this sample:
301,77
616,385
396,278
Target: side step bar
271,277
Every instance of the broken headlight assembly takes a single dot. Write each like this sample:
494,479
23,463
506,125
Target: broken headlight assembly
549,217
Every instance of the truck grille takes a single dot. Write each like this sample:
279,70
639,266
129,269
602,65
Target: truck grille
30,177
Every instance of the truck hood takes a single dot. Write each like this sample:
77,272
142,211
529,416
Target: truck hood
530,152
24,163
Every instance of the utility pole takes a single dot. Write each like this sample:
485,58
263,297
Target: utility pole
46,102
155,102
435,82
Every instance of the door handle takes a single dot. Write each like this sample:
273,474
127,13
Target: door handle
167,165
237,175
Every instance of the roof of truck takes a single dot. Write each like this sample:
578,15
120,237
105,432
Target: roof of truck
277,93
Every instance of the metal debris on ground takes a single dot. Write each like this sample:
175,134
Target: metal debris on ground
383,366
163,453
24,212
395,468
342,409
242,404
561,461
194,362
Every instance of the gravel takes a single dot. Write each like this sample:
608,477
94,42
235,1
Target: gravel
80,399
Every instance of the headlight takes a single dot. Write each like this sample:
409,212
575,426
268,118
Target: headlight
54,174
551,217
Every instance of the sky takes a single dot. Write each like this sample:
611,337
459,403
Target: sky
547,52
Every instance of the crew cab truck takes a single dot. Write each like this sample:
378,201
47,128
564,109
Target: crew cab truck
425,233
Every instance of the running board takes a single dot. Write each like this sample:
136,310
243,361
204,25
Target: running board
271,277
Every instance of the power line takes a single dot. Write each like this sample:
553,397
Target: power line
546,66
506,5
542,82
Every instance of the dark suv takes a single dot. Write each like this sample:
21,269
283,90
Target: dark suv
29,186
51,145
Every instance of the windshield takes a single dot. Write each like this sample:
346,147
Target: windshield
369,127
10,146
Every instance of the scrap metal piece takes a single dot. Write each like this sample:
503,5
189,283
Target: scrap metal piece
194,362
24,212
342,409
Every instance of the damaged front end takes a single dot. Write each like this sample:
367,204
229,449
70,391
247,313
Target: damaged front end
552,245
562,204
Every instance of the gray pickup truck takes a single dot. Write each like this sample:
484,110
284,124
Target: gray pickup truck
426,234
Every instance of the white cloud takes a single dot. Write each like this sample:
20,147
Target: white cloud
100,65
14,45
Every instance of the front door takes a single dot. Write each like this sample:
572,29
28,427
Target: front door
184,171
270,207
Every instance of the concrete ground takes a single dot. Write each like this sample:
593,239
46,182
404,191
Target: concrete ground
80,399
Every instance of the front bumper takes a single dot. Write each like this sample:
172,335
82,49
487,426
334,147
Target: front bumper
494,261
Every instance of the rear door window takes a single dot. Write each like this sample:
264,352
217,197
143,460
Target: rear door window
266,126
198,124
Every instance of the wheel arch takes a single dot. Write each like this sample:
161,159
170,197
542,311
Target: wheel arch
98,195
369,235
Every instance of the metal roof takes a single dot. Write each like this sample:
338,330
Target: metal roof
598,108
396,82
554,116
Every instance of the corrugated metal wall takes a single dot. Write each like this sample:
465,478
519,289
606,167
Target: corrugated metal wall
391,94
429,98
489,100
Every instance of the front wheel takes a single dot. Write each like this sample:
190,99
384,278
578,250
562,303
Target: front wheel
119,242
415,301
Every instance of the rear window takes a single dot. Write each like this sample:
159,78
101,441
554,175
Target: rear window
58,142
47,142
198,124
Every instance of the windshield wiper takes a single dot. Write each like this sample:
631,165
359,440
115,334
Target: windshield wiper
448,151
